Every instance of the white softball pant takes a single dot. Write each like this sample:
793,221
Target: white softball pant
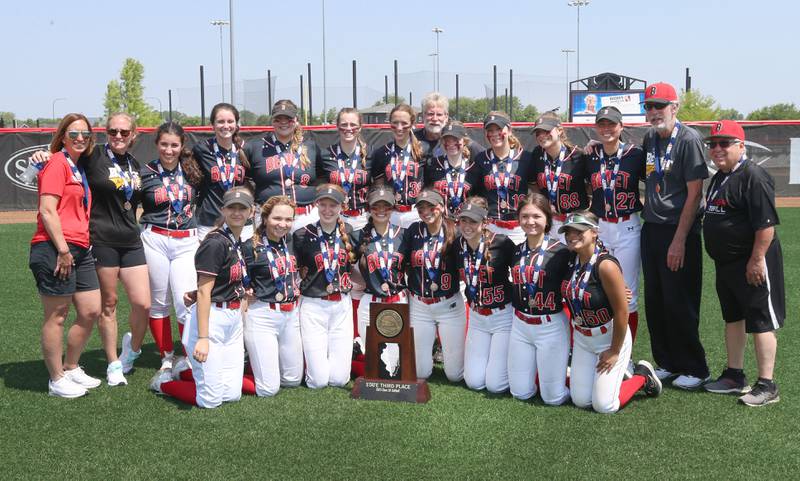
327,334
486,356
516,234
600,391
622,241
170,264
274,347
203,230
363,313
219,379
404,219
541,349
449,316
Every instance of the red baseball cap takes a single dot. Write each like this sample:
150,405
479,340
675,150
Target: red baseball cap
727,128
660,93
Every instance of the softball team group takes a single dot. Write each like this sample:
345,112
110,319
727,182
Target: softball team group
524,264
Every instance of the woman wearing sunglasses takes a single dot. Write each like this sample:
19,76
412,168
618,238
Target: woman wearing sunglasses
223,164
61,260
113,176
284,162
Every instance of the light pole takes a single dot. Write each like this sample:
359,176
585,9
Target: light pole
435,57
233,70
220,24
437,31
567,51
579,4
160,108
324,74
54,106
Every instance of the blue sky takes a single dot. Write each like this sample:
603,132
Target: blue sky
741,52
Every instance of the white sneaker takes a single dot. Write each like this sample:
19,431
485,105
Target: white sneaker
81,378
114,374
166,361
690,383
662,374
162,376
128,355
65,388
181,364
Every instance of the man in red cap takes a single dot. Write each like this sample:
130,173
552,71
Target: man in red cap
672,261
739,233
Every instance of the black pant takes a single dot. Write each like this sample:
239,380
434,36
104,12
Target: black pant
672,301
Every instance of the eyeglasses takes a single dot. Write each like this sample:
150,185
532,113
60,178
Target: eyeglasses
650,107
74,134
122,132
433,114
712,144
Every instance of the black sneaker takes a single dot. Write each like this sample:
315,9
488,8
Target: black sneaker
652,384
761,395
728,383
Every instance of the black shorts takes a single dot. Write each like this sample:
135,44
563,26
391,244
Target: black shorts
105,256
42,263
763,307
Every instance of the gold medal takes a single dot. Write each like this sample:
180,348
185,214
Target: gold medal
329,288
279,297
126,206
503,204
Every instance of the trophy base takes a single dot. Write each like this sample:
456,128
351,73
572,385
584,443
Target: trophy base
387,390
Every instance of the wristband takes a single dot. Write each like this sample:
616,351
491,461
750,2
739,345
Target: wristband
202,337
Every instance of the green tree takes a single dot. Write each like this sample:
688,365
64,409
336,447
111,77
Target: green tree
379,102
776,112
696,106
730,114
127,95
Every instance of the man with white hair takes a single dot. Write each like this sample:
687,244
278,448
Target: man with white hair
435,116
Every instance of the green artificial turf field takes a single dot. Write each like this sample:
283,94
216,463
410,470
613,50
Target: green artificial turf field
131,433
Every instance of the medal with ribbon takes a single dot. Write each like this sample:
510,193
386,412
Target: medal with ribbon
455,184
472,267
227,170
399,168
280,279
578,282
287,168
431,244
608,178
715,187
502,179
125,175
347,175
551,175
78,175
176,201
385,258
532,280
662,166
331,265
237,244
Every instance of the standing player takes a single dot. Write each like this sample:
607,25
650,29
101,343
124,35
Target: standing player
348,164
559,169
223,165
61,260
432,277
213,334
399,164
672,260
381,261
602,342
484,260
539,344
324,254
169,233
453,173
272,330
614,170
285,163
739,232
503,174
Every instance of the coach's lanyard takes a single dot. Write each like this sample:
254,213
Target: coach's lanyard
237,244
472,269
399,169
455,183
282,251
227,171
331,265
714,189
125,175
576,288
608,178
430,244
551,177
78,175
166,179
347,176
532,281
662,166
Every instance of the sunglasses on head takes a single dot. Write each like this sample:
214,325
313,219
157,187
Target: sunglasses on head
712,144
113,132
650,107
73,134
